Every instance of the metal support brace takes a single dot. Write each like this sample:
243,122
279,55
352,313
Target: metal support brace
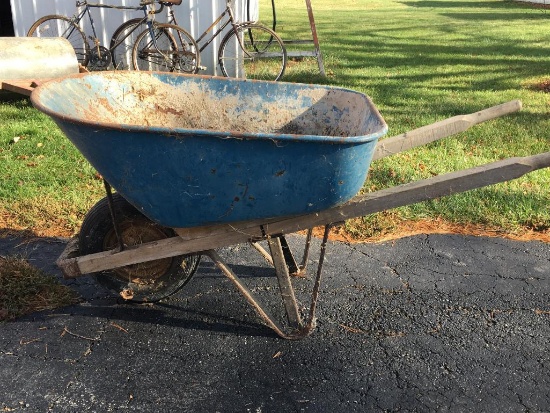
299,329
110,202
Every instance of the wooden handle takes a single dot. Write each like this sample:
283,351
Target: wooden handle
194,240
441,129
494,112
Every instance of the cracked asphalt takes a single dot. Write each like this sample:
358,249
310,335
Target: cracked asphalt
426,323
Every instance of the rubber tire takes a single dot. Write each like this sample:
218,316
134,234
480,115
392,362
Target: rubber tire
126,47
145,282
188,56
265,38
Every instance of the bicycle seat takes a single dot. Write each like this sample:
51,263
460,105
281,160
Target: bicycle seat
168,2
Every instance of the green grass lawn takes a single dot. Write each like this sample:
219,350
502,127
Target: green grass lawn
420,61
423,61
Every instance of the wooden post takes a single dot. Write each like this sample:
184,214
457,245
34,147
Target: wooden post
315,40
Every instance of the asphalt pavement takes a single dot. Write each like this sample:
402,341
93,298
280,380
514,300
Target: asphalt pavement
428,323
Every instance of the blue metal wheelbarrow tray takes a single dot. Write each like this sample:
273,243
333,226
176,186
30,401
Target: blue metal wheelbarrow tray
190,151
200,163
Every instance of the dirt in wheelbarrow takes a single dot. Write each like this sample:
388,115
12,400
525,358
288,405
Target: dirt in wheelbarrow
151,102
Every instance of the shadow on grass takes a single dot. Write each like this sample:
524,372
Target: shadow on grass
462,4
406,53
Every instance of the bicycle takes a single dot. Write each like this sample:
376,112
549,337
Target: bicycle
248,50
99,57
124,37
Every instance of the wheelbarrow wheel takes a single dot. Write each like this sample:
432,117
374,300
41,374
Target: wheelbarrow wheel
143,282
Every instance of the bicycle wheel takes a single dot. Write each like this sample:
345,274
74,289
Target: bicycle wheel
122,43
168,48
252,51
61,26
147,281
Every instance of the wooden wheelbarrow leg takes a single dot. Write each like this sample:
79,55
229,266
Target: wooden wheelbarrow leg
298,329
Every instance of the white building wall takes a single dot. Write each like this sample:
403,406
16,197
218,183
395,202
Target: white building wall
193,15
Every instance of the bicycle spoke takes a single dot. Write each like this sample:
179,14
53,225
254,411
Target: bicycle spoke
123,41
166,48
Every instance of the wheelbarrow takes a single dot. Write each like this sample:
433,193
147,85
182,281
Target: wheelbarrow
200,163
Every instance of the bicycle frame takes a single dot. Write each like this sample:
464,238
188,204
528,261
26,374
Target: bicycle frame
231,20
87,6
224,20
